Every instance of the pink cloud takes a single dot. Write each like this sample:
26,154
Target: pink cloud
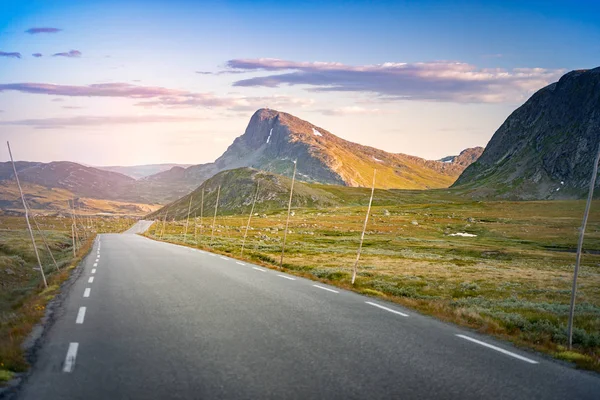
433,81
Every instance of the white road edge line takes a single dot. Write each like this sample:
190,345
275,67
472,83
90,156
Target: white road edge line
86,292
91,280
508,353
286,277
386,309
80,315
211,254
259,269
71,356
93,270
324,288
224,258
240,263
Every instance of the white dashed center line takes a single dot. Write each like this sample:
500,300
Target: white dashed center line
80,315
71,356
508,353
95,264
240,263
93,270
386,309
91,280
324,288
86,292
287,277
259,269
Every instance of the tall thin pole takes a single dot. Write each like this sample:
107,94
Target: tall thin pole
187,222
73,236
287,222
45,242
195,229
37,255
77,240
162,233
580,246
212,236
202,214
249,218
362,235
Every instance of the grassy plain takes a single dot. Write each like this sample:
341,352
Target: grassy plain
23,298
513,279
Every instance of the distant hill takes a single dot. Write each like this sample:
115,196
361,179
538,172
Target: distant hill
141,171
78,179
466,157
273,139
545,149
238,187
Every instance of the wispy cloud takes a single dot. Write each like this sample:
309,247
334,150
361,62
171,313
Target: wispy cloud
69,54
72,107
156,96
10,54
35,31
433,81
86,120
224,72
37,55
354,110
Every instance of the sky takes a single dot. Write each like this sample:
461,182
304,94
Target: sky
143,82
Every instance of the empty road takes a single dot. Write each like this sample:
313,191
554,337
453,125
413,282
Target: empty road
150,320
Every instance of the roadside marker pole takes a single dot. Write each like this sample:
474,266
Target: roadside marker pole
362,235
73,237
187,222
212,236
37,255
45,242
249,218
162,233
580,246
195,229
201,215
287,222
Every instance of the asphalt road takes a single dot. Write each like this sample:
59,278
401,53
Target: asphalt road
168,322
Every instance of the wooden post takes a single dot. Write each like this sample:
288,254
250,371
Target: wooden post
37,255
73,236
287,222
362,235
580,247
249,218
162,233
212,236
195,229
187,222
202,214
45,242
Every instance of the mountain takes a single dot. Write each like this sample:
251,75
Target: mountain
76,178
273,139
546,148
465,158
141,171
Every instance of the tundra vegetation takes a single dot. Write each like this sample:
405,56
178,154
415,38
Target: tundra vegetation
500,267
23,297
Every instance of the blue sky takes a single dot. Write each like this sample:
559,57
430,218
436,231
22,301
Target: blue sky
178,80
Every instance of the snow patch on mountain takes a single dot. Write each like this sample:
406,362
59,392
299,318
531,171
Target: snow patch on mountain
316,132
270,133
